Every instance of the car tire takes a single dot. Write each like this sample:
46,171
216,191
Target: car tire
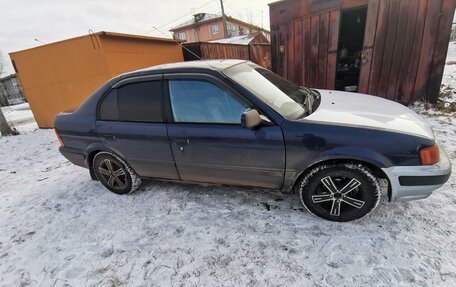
115,174
340,192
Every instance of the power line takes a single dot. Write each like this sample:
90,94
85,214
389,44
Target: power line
183,16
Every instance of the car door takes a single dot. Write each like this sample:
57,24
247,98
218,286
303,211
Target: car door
131,123
207,139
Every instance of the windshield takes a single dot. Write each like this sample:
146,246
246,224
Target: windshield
288,99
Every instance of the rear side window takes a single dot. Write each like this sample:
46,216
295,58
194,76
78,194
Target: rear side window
141,102
108,108
136,102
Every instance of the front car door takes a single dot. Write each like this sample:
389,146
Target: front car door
207,139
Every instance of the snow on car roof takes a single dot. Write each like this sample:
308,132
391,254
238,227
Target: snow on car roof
218,65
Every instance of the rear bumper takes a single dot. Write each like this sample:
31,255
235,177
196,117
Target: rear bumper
75,156
418,182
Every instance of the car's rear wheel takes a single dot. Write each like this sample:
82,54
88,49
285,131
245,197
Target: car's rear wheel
115,174
340,192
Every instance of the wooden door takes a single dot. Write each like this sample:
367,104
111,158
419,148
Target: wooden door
404,48
305,50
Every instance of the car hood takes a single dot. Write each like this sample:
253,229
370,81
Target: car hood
361,110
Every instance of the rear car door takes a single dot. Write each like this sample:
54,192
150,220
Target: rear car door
207,139
131,123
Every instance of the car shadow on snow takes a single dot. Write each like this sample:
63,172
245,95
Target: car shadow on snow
257,199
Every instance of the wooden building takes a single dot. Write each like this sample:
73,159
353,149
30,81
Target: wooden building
10,91
204,27
255,48
394,49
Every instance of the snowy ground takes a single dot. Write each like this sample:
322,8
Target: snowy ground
59,228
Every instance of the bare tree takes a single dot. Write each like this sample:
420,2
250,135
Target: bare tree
2,64
5,129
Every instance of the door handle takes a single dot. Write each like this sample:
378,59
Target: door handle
110,137
181,142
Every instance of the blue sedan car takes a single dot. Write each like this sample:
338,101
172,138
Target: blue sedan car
233,122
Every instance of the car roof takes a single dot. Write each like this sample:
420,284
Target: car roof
213,65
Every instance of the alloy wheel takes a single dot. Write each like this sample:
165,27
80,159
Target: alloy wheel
333,191
113,175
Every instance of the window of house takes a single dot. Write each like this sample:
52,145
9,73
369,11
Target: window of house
215,29
197,101
136,102
232,30
182,36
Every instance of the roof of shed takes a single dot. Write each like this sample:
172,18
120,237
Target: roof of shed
103,33
239,40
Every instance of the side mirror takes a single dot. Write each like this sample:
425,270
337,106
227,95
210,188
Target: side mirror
251,119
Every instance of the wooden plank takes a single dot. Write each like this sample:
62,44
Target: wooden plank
290,53
286,11
224,51
379,47
334,24
260,54
412,69
441,49
274,50
409,39
282,64
320,6
348,4
315,38
298,51
369,40
427,49
307,44
397,59
322,50
389,48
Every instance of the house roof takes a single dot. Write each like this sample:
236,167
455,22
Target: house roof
206,17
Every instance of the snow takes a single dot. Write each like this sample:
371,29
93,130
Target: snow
20,116
240,40
59,228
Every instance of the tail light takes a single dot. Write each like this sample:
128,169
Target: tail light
58,137
430,155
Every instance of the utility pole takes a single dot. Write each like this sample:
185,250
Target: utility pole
225,30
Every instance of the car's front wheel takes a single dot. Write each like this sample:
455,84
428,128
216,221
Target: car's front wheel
340,192
115,174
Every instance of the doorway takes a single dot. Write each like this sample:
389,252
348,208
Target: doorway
350,47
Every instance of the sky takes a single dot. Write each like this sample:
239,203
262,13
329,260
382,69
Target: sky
23,21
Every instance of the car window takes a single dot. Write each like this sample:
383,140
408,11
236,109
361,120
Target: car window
196,101
141,102
109,110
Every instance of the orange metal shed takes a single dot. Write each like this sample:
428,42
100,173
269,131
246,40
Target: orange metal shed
59,76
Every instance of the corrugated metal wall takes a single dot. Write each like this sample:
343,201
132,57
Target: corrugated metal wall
59,76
